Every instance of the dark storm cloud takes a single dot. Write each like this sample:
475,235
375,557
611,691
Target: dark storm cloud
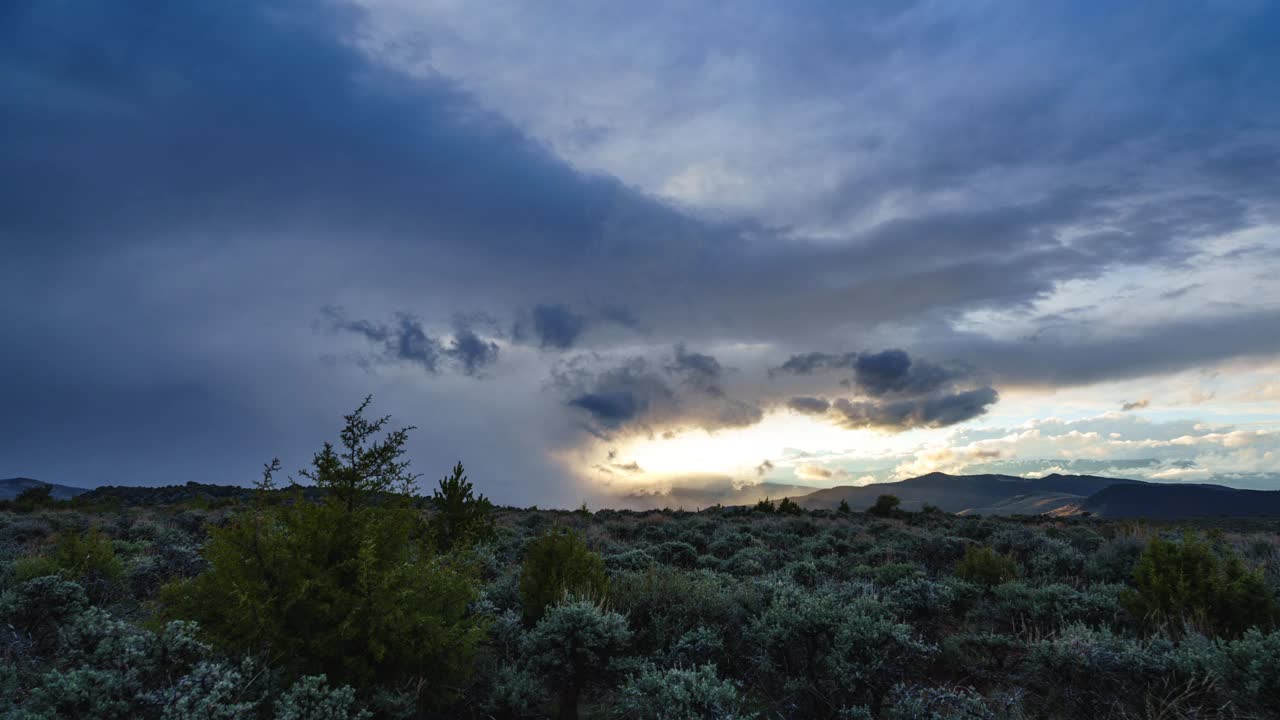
927,412
809,405
895,391
406,340
472,352
809,363
636,396
556,326
875,373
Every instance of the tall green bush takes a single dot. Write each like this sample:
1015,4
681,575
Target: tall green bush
984,566
558,564
1179,584
348,587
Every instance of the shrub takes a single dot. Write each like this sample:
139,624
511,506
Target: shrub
1185,583
844,508
914,702
33,498
574,646
1249,670
311,698
816,652
559,564
460,516
87,558
790,507
982,565
348,587
696,692
39,607
885,506
765,506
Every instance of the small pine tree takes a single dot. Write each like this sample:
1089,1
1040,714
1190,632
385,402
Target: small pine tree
790,507
765,506
844,508
365,468
886,505
461,516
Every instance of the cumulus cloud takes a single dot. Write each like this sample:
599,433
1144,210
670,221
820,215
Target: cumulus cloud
894,392
683,391
406,341
1135,405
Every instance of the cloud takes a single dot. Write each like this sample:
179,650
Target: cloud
809,405
406,341
231,167
811,362
556,326
928,412
1135,405
635,396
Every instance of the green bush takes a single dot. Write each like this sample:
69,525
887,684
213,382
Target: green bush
790,507
574,646
33,498
817,652
1181,584
348,587
983,566
885,506
695,692
559,564
87,558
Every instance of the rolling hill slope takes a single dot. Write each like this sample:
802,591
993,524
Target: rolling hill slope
972,493
10,488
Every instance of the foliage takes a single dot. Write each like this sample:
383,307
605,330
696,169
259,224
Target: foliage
348,587
311,698
559,564
844,508
765,506
1177,584
983,566
695,692
87,558
817,652
790,507
574,645
33,498
461,516
885,506
365,468
316,610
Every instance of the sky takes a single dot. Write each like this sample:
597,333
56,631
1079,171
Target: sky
642,254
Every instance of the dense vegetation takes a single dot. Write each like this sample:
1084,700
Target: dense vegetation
364,600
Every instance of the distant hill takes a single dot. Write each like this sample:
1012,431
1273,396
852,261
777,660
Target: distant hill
10,488
971,494
1043,503
1167,500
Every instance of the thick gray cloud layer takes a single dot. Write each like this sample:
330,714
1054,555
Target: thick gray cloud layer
188,186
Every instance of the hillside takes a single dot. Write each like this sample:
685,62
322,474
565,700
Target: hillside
961,493
1156,500
10,488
